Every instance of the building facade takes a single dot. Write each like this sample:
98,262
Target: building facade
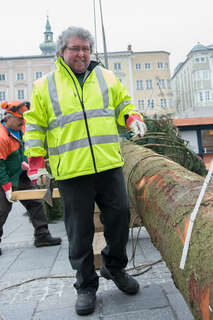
146,75
192,83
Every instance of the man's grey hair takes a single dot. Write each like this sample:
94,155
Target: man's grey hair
73,32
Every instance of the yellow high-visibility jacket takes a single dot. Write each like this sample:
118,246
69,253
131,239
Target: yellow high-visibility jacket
79,124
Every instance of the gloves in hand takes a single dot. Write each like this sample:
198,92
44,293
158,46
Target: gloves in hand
25,165
37,170
136,125
7,187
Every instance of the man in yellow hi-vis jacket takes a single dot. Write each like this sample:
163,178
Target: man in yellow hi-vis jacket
76,108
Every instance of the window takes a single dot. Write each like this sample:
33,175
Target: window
139,85
147,65
200,96
2,77
150,103
2,95
38,74
20,76
166,65
200,59
207,95
138,66
202,75
170,103
197,76
21,94
206,75
161,83
168,83
149,84
141,104
117,66
163,103
160,65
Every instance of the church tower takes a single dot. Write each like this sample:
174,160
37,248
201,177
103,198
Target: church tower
48,47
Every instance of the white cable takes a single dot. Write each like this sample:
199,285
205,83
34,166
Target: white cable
193,217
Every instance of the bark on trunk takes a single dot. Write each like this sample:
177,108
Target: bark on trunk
164,195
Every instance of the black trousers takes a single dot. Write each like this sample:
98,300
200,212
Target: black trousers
79,195
34,208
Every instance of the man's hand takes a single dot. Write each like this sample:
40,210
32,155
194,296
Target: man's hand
136,125
25,165
37,170
7,187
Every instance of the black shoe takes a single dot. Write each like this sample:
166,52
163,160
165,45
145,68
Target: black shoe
45,240
122,280
85,303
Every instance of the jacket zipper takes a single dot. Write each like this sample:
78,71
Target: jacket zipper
85,116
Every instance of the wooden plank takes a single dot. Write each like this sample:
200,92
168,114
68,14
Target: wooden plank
97,222
33,194
98,244
39,194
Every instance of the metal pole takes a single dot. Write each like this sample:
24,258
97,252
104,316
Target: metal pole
96,45
104,40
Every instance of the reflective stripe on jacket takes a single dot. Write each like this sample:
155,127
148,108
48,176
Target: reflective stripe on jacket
79,123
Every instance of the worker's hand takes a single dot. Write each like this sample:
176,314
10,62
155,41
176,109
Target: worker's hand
37,170
7,187
25,165
136,125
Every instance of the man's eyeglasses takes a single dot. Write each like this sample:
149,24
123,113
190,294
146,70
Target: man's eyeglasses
78,49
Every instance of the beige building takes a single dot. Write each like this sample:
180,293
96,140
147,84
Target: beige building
146,75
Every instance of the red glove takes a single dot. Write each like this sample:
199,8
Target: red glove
136,125
36,170
25,165
7,187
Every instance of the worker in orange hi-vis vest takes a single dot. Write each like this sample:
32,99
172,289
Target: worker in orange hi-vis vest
13,173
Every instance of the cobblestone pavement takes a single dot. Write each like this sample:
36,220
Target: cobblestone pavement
37,283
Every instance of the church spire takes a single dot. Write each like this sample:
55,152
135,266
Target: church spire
48,47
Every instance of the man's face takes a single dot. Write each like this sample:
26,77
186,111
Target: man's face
77,54
15,123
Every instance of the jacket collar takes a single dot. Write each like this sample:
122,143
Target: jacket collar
91,66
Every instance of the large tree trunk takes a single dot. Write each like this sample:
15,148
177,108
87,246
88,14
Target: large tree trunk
164,194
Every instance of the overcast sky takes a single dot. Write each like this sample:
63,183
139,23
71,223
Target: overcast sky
171,25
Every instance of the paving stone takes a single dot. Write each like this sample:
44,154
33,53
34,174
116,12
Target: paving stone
63,314
34,258
157,314
54,298
177,302
148,297
180,307
16,277
19,311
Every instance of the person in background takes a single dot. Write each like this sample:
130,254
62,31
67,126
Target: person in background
13,173
77,107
